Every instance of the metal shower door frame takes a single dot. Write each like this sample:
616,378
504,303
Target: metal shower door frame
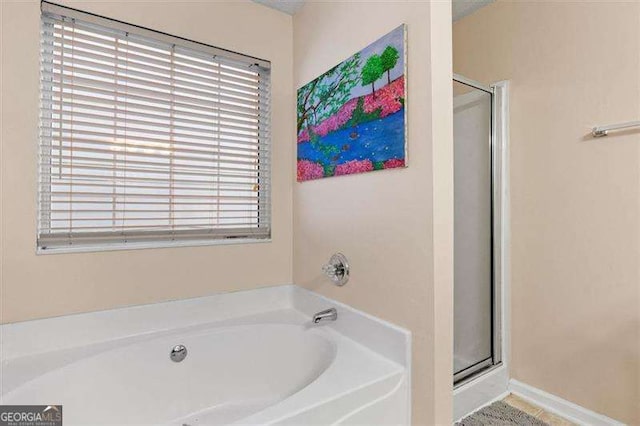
497,239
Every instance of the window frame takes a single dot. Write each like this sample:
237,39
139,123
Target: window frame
181,238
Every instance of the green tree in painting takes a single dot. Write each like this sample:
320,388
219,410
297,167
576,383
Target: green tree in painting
389,60
324,96
371,71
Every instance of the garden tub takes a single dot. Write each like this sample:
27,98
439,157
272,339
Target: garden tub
265,367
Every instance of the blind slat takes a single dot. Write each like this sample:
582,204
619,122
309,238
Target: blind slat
103,239
132,126
125,163
143,173
134,61
205,109
164,186
155,91
97,71
144,140
166,165
215,154
147,45
143,67
132,110
222,143
130,179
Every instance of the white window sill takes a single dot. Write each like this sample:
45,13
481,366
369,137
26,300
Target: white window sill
148,245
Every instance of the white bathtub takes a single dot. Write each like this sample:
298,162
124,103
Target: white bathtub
269,365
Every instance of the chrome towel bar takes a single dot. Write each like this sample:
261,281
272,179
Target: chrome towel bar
600,131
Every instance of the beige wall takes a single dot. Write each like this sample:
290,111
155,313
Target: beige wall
41,286
575,208
383,221
395,226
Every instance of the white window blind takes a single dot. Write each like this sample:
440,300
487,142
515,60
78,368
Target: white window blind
147,137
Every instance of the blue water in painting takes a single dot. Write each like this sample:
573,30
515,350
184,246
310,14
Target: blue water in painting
377,140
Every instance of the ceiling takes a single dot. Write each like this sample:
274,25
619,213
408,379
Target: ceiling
461,8
286,6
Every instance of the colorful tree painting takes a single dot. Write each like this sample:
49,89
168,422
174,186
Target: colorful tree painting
389,59
372,71
350,120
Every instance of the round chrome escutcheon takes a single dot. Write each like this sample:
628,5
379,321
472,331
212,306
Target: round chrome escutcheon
178,353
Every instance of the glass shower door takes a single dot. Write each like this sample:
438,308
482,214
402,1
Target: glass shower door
473,230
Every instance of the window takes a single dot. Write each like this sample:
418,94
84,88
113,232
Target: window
148,139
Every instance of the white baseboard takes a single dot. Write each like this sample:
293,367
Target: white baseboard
563,408
480,392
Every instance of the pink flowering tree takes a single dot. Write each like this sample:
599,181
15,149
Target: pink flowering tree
308,170
353,167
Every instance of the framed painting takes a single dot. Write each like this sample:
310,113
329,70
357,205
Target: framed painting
352,118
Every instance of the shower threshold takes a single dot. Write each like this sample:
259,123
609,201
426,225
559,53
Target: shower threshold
473,371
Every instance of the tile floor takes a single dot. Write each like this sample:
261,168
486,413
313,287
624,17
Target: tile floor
535,411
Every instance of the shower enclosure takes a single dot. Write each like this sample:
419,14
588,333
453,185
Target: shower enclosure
477,343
